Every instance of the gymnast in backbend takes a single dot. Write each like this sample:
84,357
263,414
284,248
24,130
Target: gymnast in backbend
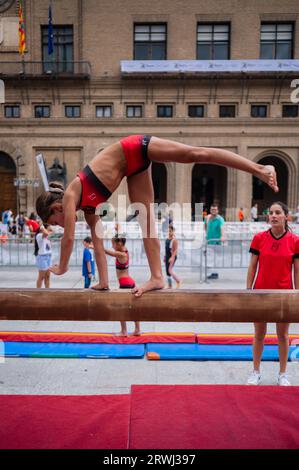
130,157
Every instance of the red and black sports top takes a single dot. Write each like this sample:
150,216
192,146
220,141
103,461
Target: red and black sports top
276,257
125,265
93,192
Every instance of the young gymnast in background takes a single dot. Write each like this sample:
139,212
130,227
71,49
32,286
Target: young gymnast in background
121,255
171,252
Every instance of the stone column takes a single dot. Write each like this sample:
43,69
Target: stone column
183,185
231,194
243,194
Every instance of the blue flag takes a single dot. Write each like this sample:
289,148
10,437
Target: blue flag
50,33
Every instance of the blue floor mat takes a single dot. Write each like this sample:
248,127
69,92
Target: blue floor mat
73,350
210,352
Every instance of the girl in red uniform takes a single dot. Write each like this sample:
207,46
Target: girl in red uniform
274,253
121,255
130,157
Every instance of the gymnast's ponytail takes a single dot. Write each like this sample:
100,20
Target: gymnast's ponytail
47,198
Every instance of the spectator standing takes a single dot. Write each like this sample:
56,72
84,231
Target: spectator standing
241,215
88,262
12,228
171,252
254,213
214,226
21,223
43,253
33,226
6,216
274,262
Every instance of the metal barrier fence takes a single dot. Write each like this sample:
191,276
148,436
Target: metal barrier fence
20,252
227,255
193,254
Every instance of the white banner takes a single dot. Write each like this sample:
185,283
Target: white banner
42,168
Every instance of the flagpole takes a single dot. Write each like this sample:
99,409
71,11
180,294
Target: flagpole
22,43
50,37
23,65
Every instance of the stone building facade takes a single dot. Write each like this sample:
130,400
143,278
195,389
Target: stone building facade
88,93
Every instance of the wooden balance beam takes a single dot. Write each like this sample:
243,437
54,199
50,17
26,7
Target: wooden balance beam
158,306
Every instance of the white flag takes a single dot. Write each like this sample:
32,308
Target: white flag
42,169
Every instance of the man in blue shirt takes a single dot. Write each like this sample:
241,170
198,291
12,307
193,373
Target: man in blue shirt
214,226
88,262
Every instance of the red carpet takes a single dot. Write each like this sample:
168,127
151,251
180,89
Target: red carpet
162,417
64,422
214,417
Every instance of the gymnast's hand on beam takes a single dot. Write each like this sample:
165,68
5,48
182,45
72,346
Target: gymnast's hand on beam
56,269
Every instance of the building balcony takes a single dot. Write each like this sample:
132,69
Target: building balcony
45,70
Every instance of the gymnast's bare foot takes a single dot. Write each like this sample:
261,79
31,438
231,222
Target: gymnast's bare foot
122,333
123,329
99,287
268,175
152,284
137,331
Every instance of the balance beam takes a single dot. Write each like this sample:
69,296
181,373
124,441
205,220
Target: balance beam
157,306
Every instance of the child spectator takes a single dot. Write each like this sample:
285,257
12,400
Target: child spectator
43,253
171,251
88,262
33,226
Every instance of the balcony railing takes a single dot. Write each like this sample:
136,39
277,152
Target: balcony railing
45,69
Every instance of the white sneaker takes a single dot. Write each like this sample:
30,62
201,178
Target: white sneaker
282,380
254,378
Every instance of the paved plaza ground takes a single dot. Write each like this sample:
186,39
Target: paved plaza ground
105,376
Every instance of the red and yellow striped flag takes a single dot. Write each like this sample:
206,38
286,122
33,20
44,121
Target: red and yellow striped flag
22,43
